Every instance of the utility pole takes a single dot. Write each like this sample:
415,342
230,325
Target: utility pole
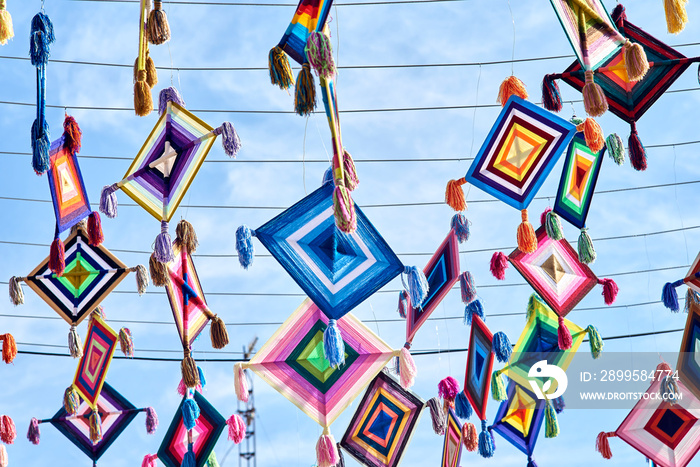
247,412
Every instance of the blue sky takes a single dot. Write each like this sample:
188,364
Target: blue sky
262,177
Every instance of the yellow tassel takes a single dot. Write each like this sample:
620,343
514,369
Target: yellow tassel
6,30
676,16
143,102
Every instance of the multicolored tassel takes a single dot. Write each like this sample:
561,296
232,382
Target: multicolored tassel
280,70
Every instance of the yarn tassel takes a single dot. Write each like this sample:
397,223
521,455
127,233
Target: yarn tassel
616,148
320,54
593,134
7,32
190,413
676,16
189,460
407,368
691,298
186,237
333,345
141,278
202,379
33,433
551,97
94,230
326,450
486,446
636,62
236,428
558,404
305,92
344,210
454,195
460,224
95,427
40,39
462,407
594,100
157,28
586,251
151,420
16,292
240,383
151,71
71,401
72,135
404,304
143,101
527,240
669,389
467,287
499,264
501,347
470,438
9,348
163,247
564,339
57,257
8,431
169,94
244,246
551,424
552,224
126,342
638,155
189,371
158,271
511,86
40,147
417,285
448,388
669,295
473,308
212,461
602,445
349,172
280,70
498,386
75,345
218,333
437,416
230,140
4,461
108,201
595,341
610,290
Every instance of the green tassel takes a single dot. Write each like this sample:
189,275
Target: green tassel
551,425
498,386
553,226
616,148
595,341
212,462
531,304
586,252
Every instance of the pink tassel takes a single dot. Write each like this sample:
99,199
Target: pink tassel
326,450
407,368
33,433
3,456
236,428
564,336
448,388
663,367
182,389
610,290
499,264
240,382
149,460
8,432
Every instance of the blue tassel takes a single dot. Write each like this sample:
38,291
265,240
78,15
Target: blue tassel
333,345
40,37
531,462
486,447
327,176
501,347
403,304
188,459
460,225
417,285
164,248
559,404
40,146
190,413
670,297
244,246
473,308
202,380
462,406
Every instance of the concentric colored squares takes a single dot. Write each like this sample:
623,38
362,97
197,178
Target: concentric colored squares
477,380
452,447
383,424
70,200
578,180
442,271
689,354
519,152
519,418
92,369
310,16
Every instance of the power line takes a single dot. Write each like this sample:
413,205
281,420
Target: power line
374,3
320,112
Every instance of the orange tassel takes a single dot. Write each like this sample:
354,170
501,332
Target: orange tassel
454,196
593,134
9,348
527,240
509,87
470,437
